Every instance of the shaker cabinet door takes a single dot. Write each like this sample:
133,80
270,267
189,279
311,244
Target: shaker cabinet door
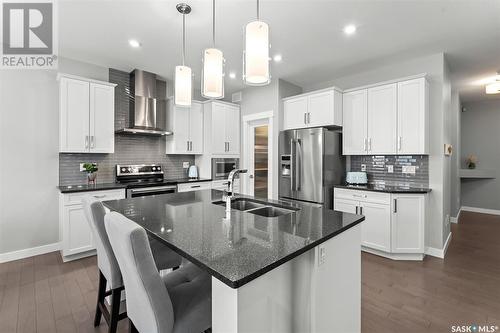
74,136
232,130
382,113
102,118
219,142
295,113
376,229
408,219
355,122
196,128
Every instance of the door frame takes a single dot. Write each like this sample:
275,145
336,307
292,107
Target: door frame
247,127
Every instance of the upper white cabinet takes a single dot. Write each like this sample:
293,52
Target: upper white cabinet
413,117
186,123
387,119
320,108
355,129
222,128
86,115
382,105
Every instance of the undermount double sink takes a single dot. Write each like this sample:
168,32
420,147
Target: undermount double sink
256,207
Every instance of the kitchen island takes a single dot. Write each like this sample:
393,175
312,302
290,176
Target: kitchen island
276,266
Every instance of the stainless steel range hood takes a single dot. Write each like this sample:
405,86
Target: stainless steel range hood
147,109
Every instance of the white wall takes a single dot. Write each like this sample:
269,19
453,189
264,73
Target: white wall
434,66
481,137
264,99
29,132
455,158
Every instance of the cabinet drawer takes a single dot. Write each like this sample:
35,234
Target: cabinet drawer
76,198
193,186
363,196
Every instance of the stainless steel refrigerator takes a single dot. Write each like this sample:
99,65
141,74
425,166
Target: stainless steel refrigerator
311,162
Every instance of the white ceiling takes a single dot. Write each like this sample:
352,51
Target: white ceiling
307,33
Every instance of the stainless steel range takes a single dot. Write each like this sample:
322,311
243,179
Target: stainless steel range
143,180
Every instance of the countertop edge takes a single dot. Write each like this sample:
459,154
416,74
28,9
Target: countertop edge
239,283
395,191
114,186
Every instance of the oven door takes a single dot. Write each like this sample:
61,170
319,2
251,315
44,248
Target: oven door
146,191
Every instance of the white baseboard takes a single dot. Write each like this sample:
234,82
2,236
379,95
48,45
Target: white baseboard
34,251
439,253
395,256
480,210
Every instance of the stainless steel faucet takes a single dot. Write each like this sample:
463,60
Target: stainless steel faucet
230,187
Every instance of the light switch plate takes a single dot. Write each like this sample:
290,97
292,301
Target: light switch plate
185,165
390,169
363,167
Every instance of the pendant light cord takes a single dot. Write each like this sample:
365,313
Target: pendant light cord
183,38
258,10
213,23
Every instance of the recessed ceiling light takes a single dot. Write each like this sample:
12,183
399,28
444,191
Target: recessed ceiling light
134,43
232,75
349,29
277,58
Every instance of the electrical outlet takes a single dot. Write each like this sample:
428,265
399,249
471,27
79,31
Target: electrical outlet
390,169
185,165
411,169
322,256
363,167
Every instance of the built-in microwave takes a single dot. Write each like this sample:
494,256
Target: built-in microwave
221,167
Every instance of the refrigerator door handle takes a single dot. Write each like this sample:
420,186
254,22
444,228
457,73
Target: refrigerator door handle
298,166
292,165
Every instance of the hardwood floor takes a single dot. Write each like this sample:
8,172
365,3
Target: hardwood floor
42,294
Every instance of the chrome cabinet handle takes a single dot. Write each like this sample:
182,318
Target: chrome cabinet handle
399,142
187,143
191,145
309,117
365,145
195,186
100,196
361,210
92,141
357,210
370,144
86,141
305,118
395,205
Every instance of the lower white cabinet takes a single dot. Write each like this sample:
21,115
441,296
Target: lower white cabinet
197,186
76,236
394,223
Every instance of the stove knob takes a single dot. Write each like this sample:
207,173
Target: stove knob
158,168
129,169
153,168
124,169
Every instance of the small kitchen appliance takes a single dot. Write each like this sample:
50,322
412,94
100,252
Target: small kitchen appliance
193,172
356,178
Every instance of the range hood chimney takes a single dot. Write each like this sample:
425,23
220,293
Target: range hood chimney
147,109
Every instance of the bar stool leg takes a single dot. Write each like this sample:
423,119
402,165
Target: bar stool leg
115,309
101,294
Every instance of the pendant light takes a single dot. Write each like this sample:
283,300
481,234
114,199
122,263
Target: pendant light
212,75
256,55
494,87
183,79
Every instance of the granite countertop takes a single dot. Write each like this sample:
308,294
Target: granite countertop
238,250
112,186
386,188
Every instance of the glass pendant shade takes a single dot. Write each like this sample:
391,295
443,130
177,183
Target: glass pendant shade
212,81
493,88
256,57
183,86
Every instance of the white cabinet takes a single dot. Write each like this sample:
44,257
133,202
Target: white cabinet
376,229
413,117
320,108
387,119
222,126
86,115
186,123
382,111
75,233
194,186
408,219
355,129
394,223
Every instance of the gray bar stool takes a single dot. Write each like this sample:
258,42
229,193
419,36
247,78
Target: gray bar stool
179,302
109,271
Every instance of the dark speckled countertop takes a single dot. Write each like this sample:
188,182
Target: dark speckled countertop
386,188
112,186
238,250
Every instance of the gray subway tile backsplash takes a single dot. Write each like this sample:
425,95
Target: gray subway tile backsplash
377,169
129,149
